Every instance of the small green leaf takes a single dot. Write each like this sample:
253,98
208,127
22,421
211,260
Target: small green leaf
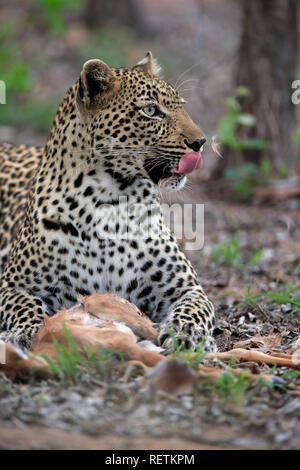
232,104
255,258
258,144
242,91
246,120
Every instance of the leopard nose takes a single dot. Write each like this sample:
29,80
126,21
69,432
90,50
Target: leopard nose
196,145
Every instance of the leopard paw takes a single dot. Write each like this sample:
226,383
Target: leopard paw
20,340
171,340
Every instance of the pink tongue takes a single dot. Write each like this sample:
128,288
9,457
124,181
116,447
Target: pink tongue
189,162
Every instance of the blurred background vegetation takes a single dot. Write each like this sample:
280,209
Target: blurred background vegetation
234,62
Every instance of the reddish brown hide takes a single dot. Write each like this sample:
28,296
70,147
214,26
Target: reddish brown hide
97,321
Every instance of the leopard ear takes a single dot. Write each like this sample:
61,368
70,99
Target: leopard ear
97,83
149,65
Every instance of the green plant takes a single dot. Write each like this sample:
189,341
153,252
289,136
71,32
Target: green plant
244,177
230,254
40,113
284,294
70,361
249,299
53,11
283,172
246,299
296,141
229,124
194,358
255,258
113,45
231,388
97,360
5,390
294,373
13,70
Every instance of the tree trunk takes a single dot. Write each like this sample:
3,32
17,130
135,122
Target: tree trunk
267,64
113,13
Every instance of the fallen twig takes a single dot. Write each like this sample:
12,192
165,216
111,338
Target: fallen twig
280,359
213,374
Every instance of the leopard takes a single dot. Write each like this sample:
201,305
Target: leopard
75,213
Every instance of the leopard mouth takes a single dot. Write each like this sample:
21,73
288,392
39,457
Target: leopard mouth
160,169
164,175
189,162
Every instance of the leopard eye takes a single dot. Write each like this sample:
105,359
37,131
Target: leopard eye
150,110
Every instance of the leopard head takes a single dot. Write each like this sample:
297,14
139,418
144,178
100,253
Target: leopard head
136,124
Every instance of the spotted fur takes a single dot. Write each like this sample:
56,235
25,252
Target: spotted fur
60,206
